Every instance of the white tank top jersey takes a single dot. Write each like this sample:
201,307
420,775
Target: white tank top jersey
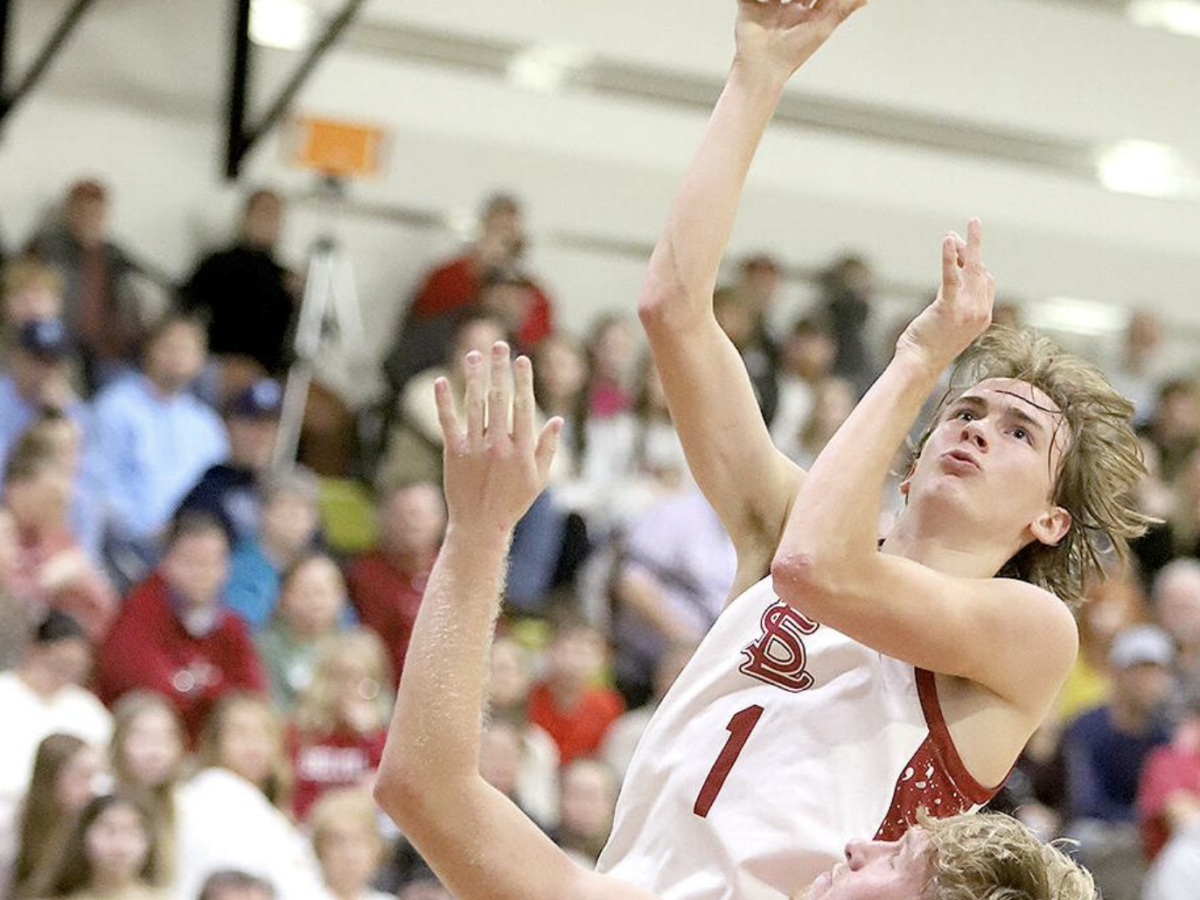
781,741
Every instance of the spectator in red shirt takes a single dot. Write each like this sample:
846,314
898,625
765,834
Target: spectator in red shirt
174,637
1169,789
456,285
337,737
387,584
567,704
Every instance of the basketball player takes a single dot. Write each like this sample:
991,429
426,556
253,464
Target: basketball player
848,684
477,841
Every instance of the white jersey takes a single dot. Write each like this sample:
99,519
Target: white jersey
782,740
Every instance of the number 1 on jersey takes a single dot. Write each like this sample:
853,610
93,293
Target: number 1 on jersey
739,729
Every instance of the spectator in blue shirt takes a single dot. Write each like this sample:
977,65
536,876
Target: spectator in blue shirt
39,376
1106,746
156,440
290,521
231,491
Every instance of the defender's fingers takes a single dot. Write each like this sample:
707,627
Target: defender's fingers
960,249
950,267
547,445
974,250
447,416
476,393
523,402
499,394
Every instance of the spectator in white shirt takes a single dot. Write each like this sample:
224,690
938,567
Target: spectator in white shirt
42,696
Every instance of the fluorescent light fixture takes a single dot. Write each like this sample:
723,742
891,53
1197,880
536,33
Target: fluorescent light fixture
546,67
282,24
1075,316
1178,16
1146,169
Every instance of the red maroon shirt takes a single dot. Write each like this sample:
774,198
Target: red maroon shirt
334,760
1167,770
580,731
387,601
456,284
149,649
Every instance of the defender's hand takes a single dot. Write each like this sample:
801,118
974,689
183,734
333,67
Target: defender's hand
493,474
962,310
783,34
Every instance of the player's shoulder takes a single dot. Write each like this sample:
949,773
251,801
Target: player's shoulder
1040,615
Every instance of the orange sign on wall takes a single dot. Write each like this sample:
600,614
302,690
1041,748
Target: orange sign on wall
341,149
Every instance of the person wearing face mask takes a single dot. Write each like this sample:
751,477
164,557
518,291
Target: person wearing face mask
173,636
480,845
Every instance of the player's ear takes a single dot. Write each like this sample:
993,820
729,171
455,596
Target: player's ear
906,482
1051,526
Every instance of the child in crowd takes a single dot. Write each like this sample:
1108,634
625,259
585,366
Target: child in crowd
312,607
110,854
290,521
231,815
65,773
345,834
340,725
147,757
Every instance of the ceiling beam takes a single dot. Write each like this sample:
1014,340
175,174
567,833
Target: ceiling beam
241,137
10,99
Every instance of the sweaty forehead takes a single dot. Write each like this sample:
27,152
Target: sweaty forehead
1022,394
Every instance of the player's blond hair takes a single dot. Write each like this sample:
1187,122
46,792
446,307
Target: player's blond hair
990,856
1099,468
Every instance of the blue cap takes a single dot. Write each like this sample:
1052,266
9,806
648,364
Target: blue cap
47,338
262,400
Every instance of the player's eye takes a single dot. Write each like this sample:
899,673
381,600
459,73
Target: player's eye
965,415
1022,434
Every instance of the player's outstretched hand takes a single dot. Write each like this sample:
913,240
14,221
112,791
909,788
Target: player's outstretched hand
963,308
494,471
782,34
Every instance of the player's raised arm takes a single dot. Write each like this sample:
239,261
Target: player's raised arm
938,605
478,843
749,483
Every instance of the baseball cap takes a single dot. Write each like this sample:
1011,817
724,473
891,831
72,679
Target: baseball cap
261,400
1141,644
45,338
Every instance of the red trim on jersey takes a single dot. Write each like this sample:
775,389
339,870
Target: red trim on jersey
935,779
944,743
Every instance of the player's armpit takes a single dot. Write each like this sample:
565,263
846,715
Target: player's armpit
748,481
1013,638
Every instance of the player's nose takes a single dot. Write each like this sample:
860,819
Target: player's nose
859,852
973,433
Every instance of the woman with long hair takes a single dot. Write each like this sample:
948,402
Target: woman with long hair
64,772
337,736
231,814
148,755
110,853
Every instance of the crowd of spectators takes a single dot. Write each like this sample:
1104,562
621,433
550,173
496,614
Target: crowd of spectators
199,646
